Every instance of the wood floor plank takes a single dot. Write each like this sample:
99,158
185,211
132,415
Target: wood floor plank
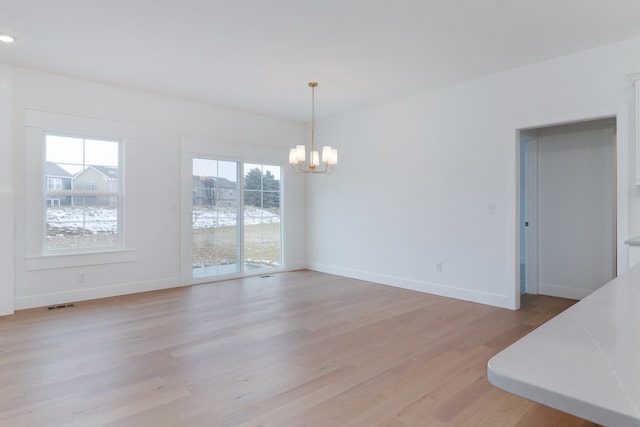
292,349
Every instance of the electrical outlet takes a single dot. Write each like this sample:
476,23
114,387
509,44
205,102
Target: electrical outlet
439,266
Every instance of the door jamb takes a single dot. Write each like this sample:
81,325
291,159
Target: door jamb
621,114
531,212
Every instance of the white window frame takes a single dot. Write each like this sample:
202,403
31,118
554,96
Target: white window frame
38,122
240,219
49,193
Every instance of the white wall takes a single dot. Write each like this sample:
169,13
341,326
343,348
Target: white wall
575,209
414,186
153,229
417,176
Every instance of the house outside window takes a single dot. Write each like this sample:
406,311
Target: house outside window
82,190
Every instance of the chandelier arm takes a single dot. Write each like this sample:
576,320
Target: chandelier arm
300,169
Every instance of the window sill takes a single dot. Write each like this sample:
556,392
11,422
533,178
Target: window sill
51,262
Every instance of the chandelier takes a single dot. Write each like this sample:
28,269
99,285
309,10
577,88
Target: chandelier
297,155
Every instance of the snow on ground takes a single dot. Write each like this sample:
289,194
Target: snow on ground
206,217
104,220
94,219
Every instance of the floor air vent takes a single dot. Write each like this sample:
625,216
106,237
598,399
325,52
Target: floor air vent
264,276
56,307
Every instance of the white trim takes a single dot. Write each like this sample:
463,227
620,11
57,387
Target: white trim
7,197
43,300
416,285
184,218
512,206
7,255
246,273
75,124
118,194
40,122
621,113
636,140
531,215
563,291
50,262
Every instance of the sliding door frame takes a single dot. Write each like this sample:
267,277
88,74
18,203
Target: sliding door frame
186,227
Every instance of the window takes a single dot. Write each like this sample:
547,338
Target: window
232,234
261,216
215,231
82,189
54,183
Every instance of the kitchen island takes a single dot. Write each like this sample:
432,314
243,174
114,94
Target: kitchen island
585,361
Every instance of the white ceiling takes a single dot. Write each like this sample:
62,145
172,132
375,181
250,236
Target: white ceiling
258,55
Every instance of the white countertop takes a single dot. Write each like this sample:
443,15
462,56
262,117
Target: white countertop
585,361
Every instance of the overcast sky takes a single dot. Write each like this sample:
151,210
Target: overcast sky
226,169
72,153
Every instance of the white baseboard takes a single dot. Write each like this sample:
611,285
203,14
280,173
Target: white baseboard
563,291
65,297
44,300
416,285
297,266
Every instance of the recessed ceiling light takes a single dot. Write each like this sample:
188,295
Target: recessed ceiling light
6,38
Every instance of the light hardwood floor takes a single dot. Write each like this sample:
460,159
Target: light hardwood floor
295,349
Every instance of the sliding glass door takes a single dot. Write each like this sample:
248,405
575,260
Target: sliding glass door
235,217
214,218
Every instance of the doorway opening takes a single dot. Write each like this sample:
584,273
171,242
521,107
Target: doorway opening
567,197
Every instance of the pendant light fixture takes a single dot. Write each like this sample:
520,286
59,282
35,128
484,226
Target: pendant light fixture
297,155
